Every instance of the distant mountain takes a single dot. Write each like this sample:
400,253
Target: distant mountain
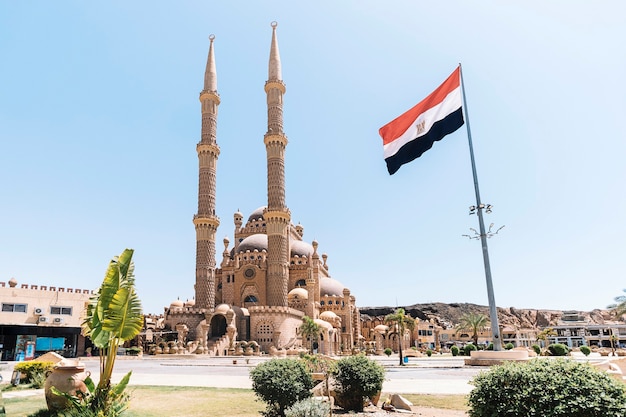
448,315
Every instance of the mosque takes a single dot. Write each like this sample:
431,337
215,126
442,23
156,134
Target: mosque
269,278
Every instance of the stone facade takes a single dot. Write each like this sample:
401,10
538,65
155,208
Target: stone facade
270,277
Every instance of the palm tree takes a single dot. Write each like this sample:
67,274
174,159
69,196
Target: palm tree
402,322
619,308
310,330
474,323
113,316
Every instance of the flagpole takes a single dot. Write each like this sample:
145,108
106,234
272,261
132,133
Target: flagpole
493,312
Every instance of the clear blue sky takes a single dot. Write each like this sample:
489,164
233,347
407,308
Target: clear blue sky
99,119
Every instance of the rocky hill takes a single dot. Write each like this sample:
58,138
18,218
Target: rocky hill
448,315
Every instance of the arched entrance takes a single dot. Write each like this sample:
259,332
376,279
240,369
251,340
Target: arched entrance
218,326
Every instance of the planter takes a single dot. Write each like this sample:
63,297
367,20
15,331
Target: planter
375,398
66,377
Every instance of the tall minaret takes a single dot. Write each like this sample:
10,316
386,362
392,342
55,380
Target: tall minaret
206,221
277,215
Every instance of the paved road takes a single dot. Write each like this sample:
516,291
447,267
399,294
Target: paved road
436,376
423,375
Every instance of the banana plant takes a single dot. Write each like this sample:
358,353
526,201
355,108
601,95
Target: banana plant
113,316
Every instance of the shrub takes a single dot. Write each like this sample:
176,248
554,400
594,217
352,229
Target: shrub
133,351
281,383
37,380
429,353
547,388
357,378
489,346
537,349
469,348
558,349
454,350
388,351
33,368
308,408
585,350
509,346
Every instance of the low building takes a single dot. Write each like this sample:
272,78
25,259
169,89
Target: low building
38,319
574,331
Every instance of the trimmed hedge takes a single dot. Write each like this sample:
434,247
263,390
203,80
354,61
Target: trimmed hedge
546,388
281,383
357,378
455,350
558,349
33,368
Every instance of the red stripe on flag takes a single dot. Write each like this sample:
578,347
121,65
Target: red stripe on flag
400,124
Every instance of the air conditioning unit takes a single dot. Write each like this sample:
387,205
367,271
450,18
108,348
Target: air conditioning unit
38,311
43,319
58,320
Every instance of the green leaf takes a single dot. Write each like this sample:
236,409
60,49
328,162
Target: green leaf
121,386
125,318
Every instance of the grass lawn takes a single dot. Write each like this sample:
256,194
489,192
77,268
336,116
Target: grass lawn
157,401
448,402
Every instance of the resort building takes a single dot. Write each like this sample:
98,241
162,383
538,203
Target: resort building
38,319
573,331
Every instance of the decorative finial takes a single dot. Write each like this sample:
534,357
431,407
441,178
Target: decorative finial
211,37
274,24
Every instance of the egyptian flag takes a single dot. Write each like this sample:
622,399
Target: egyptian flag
411,134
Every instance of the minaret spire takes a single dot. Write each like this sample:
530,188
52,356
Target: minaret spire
206,222
277,215
275,72
210,73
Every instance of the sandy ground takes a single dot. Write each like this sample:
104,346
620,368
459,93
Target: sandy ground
373,411
437,412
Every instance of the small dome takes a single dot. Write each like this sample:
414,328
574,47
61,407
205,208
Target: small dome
381,328
177,304
12,282
301,248
328,316
331,287
299,292
257,214
190,303
323,324
222,309
257,241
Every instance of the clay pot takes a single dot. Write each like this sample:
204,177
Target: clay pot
67,377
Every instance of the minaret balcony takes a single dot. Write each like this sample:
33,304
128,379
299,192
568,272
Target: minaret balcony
275,138
208,148
206,220
269,84
211,95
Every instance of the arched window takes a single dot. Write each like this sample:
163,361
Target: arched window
250,299
301,283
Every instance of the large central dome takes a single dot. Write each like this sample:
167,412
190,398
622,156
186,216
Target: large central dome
258,242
